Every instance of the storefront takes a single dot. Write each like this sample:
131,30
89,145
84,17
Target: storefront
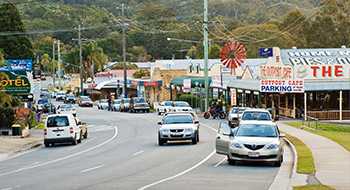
323,72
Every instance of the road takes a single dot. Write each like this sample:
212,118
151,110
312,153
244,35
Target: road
121,152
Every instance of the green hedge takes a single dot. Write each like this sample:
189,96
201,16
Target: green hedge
6,117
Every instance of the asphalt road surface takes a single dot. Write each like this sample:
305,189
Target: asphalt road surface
121,152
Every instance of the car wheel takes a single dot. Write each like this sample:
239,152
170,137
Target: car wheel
159,113
147,111
197,136
75,115
279,162
160,141
86,134
46,144
79,140
230,161
194,140
98,107
75,141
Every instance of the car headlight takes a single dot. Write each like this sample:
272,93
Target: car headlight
190,109
165,130
273,146
189,130
235,145
179,110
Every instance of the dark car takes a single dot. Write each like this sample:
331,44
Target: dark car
69,99
138,104
49,108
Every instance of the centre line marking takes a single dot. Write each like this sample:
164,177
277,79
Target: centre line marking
184,172
94,168
138,153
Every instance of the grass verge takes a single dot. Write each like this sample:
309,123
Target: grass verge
338,133
313,187
41,126
305,163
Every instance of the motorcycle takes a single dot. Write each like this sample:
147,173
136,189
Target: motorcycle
211,111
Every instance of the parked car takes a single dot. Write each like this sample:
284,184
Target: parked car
251,141
178,127
42,77
138,104
60,96
52,94
61,128
39,103
85,102
234,115
67,109
69,98
163,107
180,106
103,104
45,91
124,104
116,105
49,108
256,114
82,127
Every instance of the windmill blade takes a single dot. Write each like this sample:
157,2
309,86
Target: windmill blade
225,63
229,63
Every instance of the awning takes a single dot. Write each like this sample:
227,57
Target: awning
327,86
108,84
247,84
179,81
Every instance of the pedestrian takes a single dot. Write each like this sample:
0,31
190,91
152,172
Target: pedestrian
109,103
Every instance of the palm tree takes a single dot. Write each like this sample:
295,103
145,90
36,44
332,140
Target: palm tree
94,54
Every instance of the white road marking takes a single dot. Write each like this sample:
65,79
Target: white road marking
31,165
18,186
138,153
184,172
94,168
82,144
220,162
64,158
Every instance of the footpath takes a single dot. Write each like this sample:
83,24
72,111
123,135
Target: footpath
332,161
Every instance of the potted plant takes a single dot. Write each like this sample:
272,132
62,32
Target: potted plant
23,118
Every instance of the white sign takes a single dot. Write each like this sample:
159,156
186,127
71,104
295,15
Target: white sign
233,97
275,85
187,84
36,87
216,80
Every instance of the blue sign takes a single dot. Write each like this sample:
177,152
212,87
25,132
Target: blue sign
17,65
265,52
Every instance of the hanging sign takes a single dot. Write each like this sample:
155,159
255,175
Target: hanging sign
233,97
187,84
275,85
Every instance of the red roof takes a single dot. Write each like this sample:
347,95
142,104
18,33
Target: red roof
120,73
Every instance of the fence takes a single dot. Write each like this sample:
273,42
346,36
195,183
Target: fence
332,114
308,119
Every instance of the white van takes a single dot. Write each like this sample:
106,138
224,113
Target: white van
61,128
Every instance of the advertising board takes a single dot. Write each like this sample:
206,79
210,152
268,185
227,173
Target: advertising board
15,83
17,65
274,85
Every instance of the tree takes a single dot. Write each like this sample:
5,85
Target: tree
15,44
141,73
45,59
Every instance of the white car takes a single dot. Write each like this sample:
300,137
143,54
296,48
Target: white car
255,141
61,128
116,105
103,104
234,115
67,109
163,107
39,104
180,106
60,96
256,114
178,127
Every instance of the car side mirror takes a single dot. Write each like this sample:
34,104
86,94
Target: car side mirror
196,122
159,123
282,135
79,123
84,123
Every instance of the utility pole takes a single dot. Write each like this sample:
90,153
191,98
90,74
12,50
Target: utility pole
59,66
206,54
80,61
93,78
53,64
124,52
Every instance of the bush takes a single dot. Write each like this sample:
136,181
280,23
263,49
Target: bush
6,117
95,95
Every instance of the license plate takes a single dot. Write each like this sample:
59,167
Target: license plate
67,109
253,154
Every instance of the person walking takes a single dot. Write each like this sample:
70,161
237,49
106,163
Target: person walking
109,103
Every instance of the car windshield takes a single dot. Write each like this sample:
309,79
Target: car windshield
178,119
65,106
86,99
60,121
117,101
137,100
256,116
182,104
127,100
234,110
46,90
48,105
70,96
256,130
167,103
61,93
104,101
43,101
